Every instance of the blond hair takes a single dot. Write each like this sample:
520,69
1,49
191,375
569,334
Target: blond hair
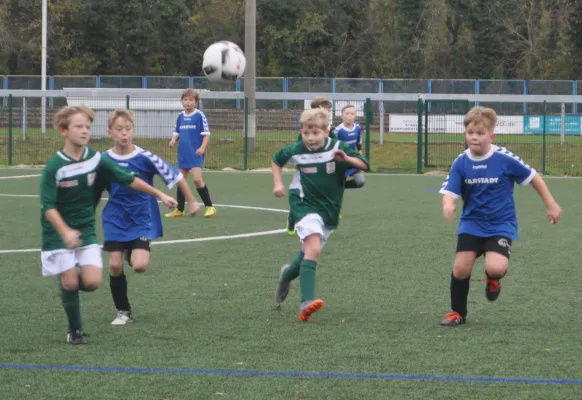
120,113
317,117
348,106
485,115
63,117
191,93
321,102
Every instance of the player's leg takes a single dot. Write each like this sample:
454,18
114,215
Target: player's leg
203,192
118,282
469,247
180,198
290,224
357,179
61,263
497,254
140,254
313,235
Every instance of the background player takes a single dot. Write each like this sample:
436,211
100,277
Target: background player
68,212
193,134
350,133
483,175
132,220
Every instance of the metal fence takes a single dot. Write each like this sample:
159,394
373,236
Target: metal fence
542,129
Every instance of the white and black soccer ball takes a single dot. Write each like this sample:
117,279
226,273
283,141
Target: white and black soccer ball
224,61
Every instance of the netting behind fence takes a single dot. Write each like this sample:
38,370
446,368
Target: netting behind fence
545,134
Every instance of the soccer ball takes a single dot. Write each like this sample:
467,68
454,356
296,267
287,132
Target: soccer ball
224,61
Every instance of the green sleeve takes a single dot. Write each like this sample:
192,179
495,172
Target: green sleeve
332,134
111,172
353,153
48,189
283,156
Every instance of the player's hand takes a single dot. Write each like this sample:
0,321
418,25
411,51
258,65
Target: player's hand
279,191
449,211
554,212
199,152
169,201
72,238
172,142
193,208
340,156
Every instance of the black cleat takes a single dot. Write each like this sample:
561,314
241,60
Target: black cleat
492,289
76,337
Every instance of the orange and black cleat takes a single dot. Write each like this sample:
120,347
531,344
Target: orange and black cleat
309,307
492,289
453,319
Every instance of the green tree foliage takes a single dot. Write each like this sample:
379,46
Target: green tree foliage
325,38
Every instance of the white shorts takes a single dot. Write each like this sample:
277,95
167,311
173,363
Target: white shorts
55,262
312,224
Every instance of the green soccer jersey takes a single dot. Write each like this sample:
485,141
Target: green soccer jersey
67,186
318,184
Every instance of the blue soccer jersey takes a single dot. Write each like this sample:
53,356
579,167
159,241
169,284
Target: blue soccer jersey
485,184
352,137
130,215
191,128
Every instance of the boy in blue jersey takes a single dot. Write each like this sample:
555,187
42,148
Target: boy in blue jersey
350,133
132,220
192,134
484,175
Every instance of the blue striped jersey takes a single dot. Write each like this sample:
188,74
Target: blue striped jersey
130,215
352,137
485,183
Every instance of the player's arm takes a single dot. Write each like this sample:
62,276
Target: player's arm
351,157
279,160
176,133
451,189
205,133
553,210
359,142
114,173
48,199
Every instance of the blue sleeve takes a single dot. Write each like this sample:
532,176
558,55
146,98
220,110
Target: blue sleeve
205,128
518,170
454,181
360,135
157,166
177,128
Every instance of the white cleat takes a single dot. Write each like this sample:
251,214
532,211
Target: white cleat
123,318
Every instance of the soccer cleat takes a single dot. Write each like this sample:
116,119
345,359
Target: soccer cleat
123,318
309,307
282,289
492,289
76,337
453,319
210,212
290,229
174,214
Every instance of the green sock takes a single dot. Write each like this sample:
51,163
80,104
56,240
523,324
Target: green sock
292,270
307,280
72,307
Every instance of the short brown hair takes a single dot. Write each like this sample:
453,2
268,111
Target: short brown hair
348,106
120,113
486,115
320,102
318,117
63,117
191,93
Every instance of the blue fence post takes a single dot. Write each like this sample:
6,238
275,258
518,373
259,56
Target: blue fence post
4,86
190,82
286,90
51,87
477,89
525,91
98,81
237,88
429,90
144,82
574,93
380,90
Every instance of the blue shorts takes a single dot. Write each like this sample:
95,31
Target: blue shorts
351,172
189,162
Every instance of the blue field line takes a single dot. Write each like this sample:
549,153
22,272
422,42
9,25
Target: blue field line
291,374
